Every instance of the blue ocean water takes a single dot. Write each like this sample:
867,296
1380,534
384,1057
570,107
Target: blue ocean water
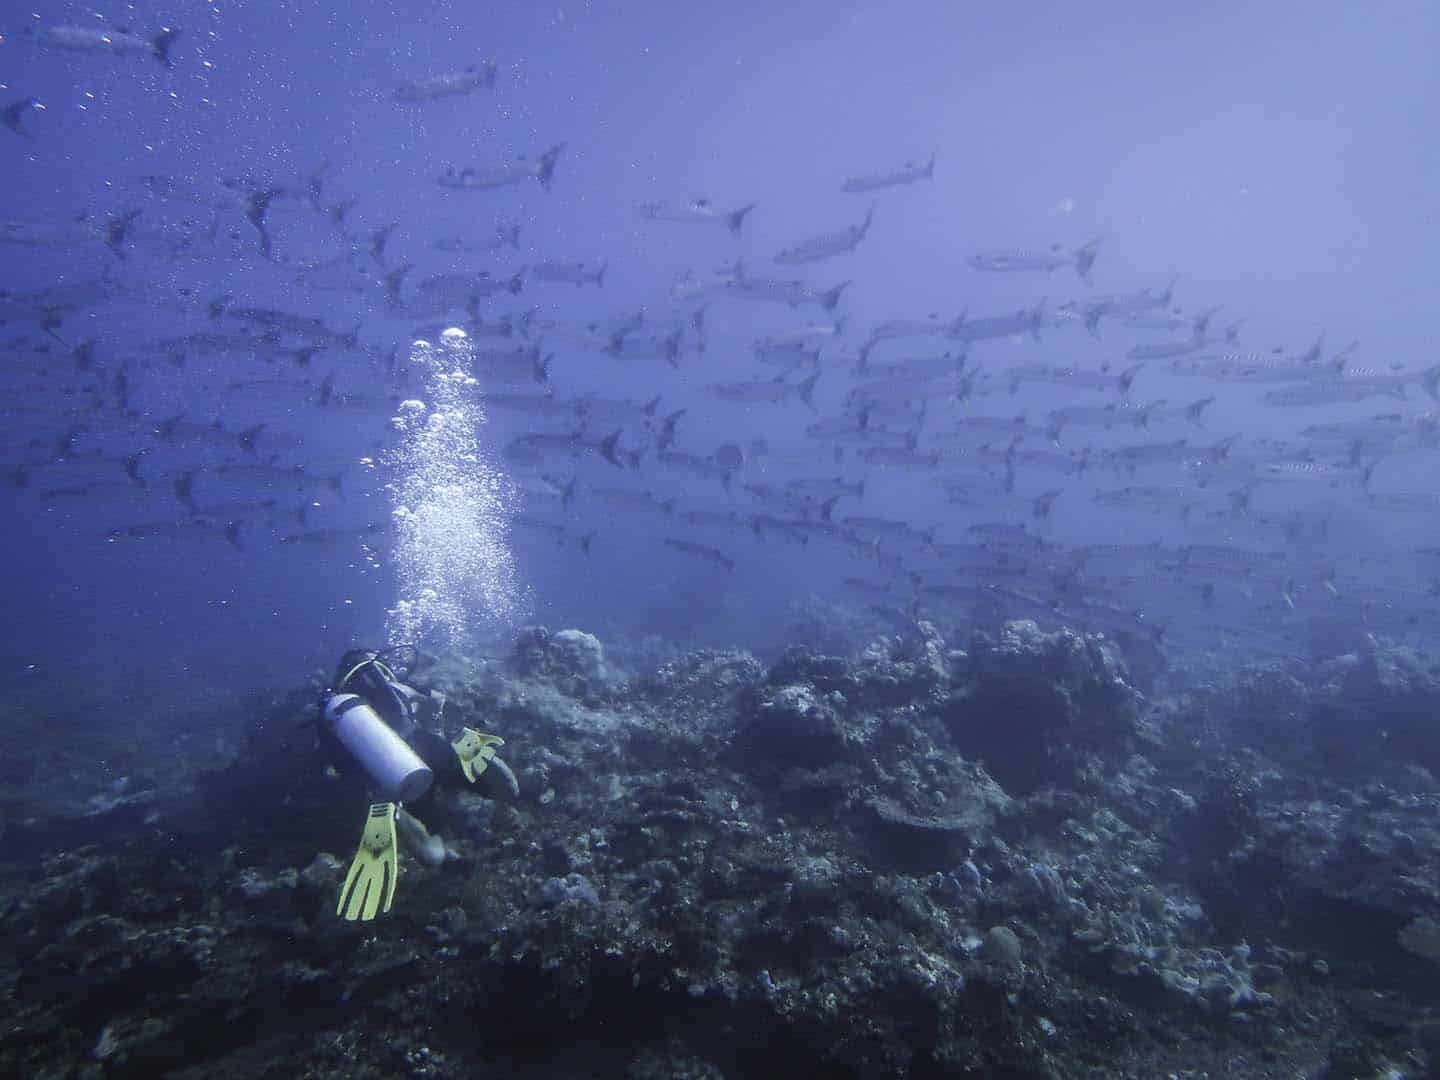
725,326
1267,159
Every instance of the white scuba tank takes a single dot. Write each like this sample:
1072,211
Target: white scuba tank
396,770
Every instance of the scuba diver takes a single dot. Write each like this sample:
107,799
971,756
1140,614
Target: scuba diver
390,733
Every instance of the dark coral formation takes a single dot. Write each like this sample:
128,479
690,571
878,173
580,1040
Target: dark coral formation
1003,861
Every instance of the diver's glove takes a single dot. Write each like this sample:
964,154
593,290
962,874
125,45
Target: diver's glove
476,752
370,885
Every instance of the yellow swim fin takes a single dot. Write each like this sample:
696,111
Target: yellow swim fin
370,885
475,751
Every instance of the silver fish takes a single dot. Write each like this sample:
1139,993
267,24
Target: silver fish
810,332
700,466
821,489
474,77
786,355
1171,498
908,173
499,237
569,272
701,551
1073,377
794,292
518,172
689,286
556,532
515,364
1122,305
647,346
94,39
1097,416
1082,259
917,367
630,499
531,449
1330,391
696,212
828,245
174,530
903,458
765,391
999,326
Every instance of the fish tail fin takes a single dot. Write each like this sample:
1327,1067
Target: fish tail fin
132,467
232,534
185,489
160,45
672,349
1040,505
378,239
1085,259
600,275
1240,499
807,390
930,167
832,296
1144,418
1195,408
736,218
609,449
1201,323
1431,381
517,283
542,368
117,229
585,541
84,354
546,171
1036,317
568,492
1127,377
863,364
1366,475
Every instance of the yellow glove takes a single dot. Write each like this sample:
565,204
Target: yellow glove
475,750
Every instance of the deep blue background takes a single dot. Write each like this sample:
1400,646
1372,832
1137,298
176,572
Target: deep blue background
1281,158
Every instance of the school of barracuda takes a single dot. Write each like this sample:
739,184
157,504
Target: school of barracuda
1255,528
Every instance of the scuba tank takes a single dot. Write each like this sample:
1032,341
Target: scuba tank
356,721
